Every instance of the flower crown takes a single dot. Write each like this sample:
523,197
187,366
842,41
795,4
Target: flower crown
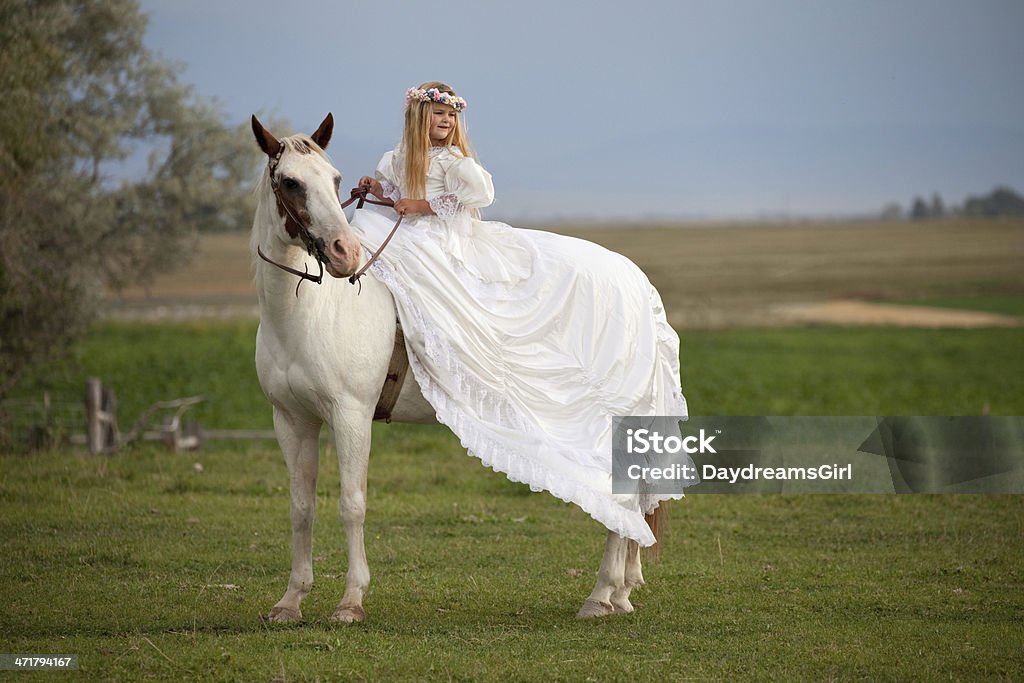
434,95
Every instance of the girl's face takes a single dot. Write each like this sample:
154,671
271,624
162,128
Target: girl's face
442,122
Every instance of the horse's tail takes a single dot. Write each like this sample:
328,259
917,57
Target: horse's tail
657,520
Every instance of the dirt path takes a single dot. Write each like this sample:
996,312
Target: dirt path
779,315
866,313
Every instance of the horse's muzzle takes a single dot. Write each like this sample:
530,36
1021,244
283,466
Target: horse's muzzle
343,259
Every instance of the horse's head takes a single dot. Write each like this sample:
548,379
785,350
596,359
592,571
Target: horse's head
305,187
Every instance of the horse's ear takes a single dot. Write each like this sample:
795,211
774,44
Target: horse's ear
322,136
270,145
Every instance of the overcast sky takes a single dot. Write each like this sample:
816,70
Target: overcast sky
642,109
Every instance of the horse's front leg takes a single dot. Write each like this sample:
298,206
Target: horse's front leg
352,440
300,443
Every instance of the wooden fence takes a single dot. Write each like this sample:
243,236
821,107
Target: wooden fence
48,424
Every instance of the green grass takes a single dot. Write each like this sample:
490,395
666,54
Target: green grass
1005,304
794,371
146,363
854,371
123,559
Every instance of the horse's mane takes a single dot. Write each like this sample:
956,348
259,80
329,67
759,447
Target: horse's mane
303,144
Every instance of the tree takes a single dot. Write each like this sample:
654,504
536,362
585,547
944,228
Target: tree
891,212
81,93
938,208
919,210
1002,201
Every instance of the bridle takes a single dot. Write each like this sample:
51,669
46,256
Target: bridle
315,245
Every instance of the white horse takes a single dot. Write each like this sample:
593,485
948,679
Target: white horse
322,354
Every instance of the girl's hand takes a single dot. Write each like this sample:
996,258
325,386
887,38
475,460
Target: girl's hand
371,185
407,206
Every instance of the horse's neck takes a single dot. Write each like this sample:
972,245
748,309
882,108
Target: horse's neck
279,305
290,314
335,307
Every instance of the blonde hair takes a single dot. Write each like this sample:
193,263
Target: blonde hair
416,141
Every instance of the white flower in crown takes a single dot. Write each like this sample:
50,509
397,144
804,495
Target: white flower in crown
434,95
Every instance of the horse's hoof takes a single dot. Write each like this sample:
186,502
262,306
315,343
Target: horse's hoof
623,606
593,609
284,615
348,615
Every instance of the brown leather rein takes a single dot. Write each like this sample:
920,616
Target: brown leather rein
316,251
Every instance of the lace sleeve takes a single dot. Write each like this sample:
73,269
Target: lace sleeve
390,190
446,205
387,175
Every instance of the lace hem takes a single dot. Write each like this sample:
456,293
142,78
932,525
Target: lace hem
446,205
497,454
390,190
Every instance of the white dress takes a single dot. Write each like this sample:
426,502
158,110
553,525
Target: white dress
526,343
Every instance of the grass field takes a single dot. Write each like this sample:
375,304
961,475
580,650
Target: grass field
797,371
717,276
993,303
150,568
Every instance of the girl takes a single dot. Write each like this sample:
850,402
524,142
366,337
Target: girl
526,343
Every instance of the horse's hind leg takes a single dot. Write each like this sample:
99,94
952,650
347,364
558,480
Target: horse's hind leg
633,578
352,439
300,443
610,579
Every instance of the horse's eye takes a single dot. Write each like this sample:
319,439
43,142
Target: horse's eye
290,183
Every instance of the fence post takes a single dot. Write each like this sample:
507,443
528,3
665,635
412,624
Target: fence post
101,417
